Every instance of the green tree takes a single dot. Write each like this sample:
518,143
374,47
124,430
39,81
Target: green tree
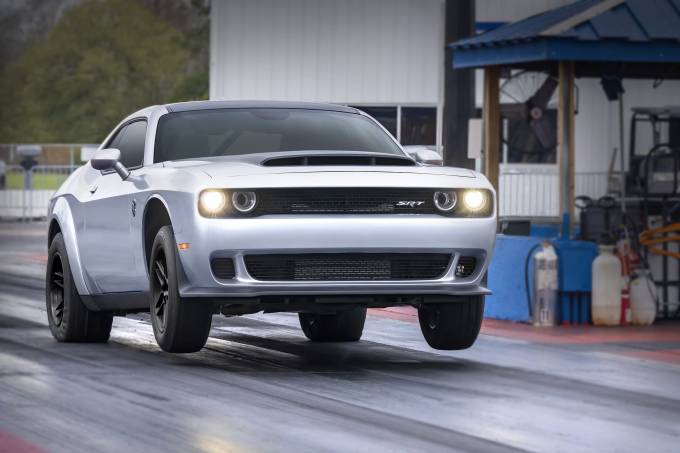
103,60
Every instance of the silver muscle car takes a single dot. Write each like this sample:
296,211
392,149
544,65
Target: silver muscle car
193,209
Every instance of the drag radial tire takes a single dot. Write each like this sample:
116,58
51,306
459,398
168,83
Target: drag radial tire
343,326
452,325
67,316
179,325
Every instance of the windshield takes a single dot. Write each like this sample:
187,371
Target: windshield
228,132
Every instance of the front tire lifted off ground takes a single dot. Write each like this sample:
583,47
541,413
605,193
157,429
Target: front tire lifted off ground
179,325
452,326
342,326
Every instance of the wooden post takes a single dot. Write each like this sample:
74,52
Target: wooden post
565,142
492,123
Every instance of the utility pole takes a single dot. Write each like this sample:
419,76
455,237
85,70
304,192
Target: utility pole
459,85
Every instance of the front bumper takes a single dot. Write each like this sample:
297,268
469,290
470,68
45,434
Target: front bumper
234,238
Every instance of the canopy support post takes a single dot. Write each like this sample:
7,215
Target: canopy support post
565,145
492,120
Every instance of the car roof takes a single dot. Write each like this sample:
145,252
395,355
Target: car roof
213,105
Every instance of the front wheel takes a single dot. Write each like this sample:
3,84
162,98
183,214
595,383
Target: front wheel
343,326
179,325
454,325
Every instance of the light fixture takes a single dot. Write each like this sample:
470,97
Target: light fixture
244,201
445,201
474,200
212,202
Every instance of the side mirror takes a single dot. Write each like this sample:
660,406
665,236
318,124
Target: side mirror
109,159
424,155
429,157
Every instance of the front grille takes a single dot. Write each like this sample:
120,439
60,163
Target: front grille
348,266
223,268
465,266
345,201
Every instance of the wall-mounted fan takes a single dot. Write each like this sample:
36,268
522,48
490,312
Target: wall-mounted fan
528,108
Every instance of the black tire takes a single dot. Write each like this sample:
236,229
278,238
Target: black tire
343,326
67,316
452,326
179,325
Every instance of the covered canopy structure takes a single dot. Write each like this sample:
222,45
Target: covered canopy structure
588,38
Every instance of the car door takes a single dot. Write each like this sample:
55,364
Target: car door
108,214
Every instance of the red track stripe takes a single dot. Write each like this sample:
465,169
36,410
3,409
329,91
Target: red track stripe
12,444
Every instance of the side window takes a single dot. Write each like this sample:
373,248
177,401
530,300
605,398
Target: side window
130,141
115,141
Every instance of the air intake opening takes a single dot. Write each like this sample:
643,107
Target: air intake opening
348,266
297,161
223,268
465,266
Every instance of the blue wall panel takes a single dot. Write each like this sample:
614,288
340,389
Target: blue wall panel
507,278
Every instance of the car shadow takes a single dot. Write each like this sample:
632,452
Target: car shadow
303,355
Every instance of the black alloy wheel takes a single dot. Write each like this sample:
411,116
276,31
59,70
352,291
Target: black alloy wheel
160,290
67,316
56,290
179,324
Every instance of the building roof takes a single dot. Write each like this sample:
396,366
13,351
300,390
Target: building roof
616,31
211,105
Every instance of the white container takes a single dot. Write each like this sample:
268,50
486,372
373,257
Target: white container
544,309
607,285
643,298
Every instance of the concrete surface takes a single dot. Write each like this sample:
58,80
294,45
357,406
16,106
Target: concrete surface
258,385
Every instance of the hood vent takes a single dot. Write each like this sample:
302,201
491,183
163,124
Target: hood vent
297,161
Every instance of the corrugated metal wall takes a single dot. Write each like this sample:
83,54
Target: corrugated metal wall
344,51
513,10
532,190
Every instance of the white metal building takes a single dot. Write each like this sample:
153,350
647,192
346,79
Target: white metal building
387,57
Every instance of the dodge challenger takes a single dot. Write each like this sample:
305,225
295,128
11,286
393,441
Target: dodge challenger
193,209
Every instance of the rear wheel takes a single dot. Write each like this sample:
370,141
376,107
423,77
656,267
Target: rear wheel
179,325
344,326
67,316
453,325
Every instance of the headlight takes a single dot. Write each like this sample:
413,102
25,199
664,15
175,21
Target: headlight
474,200
244,201
445,201
212,202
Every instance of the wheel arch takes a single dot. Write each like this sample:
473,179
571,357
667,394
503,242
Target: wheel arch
62,221
156,215
52,231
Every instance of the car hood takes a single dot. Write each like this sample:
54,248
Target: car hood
257,165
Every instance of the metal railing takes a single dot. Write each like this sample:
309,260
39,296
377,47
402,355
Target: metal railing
533,190
26,194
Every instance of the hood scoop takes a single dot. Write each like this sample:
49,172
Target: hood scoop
335,159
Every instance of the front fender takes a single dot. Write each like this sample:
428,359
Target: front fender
63,214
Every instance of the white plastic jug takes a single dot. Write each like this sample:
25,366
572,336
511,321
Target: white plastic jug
607,284
643,298
544,309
